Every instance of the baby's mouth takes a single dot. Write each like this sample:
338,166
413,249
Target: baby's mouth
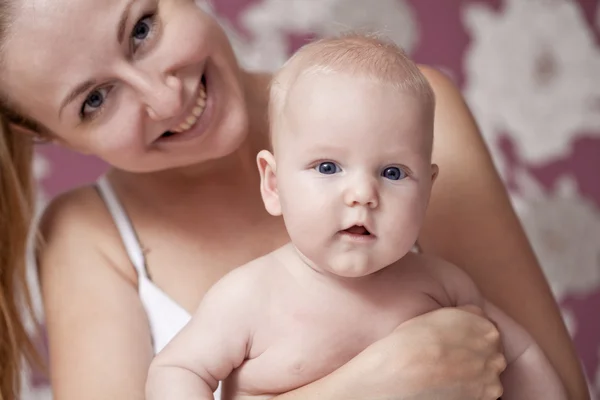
357,230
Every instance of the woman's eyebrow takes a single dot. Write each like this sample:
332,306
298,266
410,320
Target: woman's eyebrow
85,86
76,92
123,21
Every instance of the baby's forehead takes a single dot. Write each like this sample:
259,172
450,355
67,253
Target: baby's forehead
313,85
317,93
337,107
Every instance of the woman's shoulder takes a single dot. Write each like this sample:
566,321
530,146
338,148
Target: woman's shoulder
77,224
76,214
441,83
77,207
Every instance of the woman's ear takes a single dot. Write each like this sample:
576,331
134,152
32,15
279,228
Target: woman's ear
43,138
268,182
23,130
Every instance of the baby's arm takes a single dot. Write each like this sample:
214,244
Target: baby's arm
528,375
210,346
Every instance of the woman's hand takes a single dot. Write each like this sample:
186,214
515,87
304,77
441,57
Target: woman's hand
451,353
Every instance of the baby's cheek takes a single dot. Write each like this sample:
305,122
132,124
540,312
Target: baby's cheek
307,224
307,209
404,226
303,221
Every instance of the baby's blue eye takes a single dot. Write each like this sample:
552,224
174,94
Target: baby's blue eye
95,99
393,173
328,168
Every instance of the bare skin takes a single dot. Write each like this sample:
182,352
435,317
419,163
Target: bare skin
287,325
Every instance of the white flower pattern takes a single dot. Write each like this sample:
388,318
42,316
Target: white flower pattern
564,231
530,79
270,22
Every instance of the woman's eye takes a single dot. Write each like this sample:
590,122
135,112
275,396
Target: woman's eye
393,173
142,29
328,168
93,102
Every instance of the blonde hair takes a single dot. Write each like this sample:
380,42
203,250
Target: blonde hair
16,209
366,55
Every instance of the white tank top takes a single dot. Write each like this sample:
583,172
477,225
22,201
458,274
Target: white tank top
165,316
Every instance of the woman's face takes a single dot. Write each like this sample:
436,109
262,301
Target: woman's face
145,85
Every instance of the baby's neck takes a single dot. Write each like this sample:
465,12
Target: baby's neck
306,272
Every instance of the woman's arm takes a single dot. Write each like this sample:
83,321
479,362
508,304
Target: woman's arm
471,223
99,338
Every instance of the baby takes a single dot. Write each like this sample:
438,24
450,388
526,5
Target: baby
351,174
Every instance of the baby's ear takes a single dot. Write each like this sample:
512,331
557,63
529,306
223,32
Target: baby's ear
435,170
268,182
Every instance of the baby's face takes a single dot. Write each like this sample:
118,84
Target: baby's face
354,171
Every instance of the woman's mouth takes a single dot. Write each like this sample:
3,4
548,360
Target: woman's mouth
195,114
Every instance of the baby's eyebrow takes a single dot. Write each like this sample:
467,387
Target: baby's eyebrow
326,148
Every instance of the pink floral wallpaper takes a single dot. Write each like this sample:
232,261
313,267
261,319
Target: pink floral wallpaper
529,69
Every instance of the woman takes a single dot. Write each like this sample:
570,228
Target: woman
153,88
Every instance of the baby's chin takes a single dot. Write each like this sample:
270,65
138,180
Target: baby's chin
355,273
358,265
349,264
353,266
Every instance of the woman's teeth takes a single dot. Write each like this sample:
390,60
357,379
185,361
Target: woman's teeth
196,112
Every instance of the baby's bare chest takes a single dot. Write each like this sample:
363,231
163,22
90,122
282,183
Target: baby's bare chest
304,339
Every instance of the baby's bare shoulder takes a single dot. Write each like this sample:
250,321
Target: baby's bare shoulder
418,266
248,282
438,278
426,265
457,284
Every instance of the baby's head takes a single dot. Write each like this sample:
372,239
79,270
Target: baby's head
352,131
369,59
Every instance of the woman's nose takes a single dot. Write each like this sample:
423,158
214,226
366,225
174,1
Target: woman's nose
163,97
